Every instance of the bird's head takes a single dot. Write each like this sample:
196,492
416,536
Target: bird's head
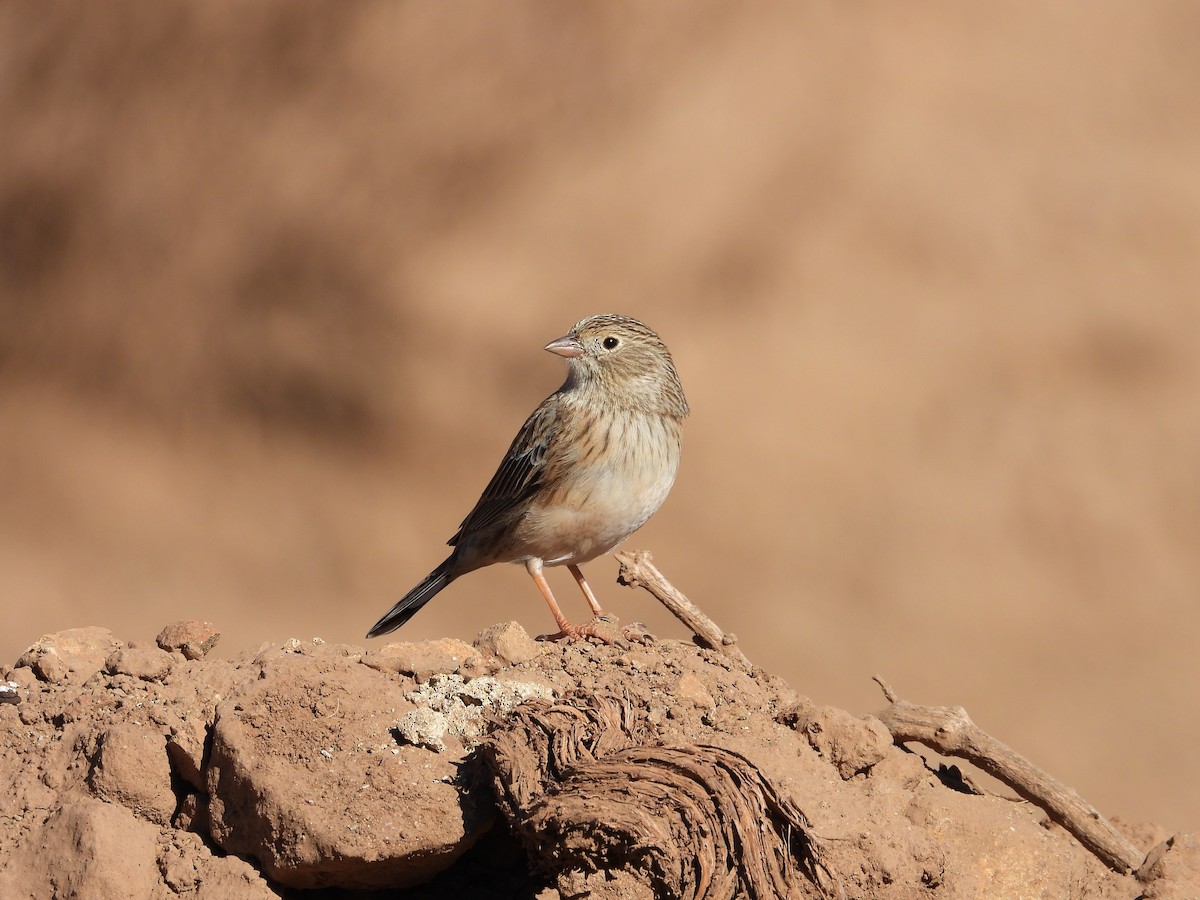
625,359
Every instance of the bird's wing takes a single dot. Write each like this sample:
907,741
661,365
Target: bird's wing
519,475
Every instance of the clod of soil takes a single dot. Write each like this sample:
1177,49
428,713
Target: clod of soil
557,771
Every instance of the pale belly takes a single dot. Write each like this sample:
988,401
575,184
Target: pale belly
600,508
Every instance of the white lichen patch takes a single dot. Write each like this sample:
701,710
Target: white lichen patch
448,704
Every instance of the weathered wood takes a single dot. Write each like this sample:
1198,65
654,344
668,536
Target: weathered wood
638,570
950,731
584,793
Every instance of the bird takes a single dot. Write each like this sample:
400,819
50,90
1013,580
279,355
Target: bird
589,467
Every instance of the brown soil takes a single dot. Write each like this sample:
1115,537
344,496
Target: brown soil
274,280
507,768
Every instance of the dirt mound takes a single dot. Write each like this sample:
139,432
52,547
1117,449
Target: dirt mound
274,280
503,768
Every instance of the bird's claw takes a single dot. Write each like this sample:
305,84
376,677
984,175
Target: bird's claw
604,629
637,633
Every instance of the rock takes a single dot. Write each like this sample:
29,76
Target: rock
89,850
446,704
146,663
189,870
193,639
23,677
691,689
421,659
193,813
1172,868
850,743
10,692
185,750
509,642
73,655
130,767
306,777
424,728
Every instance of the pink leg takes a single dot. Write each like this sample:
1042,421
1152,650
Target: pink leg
587,591
635,633
565,629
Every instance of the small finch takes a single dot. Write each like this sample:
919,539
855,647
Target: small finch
587,469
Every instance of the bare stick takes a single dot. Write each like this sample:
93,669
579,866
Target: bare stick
950,731
637,570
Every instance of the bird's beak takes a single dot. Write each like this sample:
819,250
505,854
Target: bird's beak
567,346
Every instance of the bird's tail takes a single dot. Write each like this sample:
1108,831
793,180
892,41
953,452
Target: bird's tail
411,602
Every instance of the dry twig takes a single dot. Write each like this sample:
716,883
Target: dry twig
638,570
950,731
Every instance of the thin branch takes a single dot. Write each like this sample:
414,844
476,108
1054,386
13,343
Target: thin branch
637,570
950,731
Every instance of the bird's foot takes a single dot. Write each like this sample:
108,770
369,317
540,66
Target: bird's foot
637,633
603,629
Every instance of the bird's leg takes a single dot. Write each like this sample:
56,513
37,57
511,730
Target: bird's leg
566,631
587,591
637,633
565,628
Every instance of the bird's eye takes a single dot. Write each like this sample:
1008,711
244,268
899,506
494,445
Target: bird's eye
610,343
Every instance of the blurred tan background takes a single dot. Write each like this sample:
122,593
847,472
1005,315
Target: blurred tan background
275,279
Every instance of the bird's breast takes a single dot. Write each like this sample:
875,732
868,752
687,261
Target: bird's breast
608,481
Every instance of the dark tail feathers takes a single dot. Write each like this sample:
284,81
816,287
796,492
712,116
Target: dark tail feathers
413,600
